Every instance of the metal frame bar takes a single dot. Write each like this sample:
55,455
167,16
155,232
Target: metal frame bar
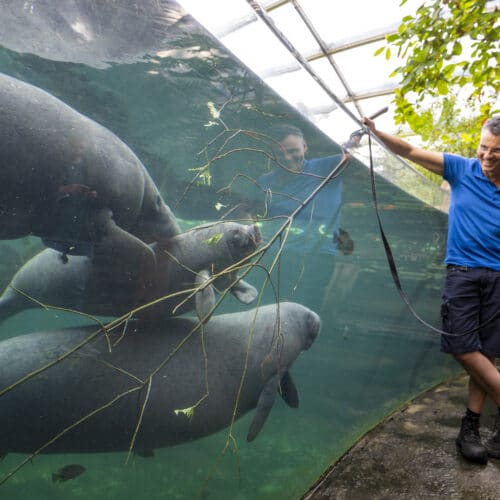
329,57
327,51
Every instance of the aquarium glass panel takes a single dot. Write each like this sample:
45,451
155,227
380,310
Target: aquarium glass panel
168,256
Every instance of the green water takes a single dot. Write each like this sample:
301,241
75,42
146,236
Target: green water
371,355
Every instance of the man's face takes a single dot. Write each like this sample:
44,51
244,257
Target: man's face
488,153
291,151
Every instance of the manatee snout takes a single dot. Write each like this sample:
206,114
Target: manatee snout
255,235
313,323
244,238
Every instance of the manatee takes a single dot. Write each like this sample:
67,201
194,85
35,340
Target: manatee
104,285
190,259
183,375
72,182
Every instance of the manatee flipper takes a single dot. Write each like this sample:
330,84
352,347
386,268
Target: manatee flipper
244,292
205,297
11,302
264,405
120,257
69,232
288,391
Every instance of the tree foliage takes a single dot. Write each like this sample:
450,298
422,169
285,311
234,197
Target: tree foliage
451,53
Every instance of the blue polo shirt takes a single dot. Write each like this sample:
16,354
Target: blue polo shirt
314,226
474,215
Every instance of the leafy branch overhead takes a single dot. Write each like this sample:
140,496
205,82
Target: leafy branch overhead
447,45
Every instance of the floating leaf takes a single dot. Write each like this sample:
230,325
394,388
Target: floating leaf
213,112
213,240
188,412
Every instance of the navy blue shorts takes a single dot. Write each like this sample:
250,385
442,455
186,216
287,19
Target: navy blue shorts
471,296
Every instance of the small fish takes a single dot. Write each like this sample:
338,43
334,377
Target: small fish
343,241
67,472
2,456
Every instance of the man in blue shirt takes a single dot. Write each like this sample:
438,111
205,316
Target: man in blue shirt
472,288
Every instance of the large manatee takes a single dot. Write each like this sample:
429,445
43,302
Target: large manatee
104,285
186,377
71,181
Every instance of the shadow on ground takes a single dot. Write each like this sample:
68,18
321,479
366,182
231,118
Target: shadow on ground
412,455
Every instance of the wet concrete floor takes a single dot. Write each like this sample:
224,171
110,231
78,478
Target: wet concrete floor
412,455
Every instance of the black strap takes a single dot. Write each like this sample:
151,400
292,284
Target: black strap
394,271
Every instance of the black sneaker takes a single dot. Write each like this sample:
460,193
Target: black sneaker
493,444
469,441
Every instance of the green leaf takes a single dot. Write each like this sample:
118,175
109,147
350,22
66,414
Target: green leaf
448,71
457,48
436,67
213,240
188,412
466,138
442,87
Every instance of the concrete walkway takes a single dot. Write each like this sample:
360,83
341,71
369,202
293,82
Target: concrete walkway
412,455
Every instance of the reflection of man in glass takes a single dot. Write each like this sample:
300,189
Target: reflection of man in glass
316,229
293,179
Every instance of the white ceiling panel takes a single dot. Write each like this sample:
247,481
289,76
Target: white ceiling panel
348,30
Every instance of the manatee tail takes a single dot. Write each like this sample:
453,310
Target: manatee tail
11,302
